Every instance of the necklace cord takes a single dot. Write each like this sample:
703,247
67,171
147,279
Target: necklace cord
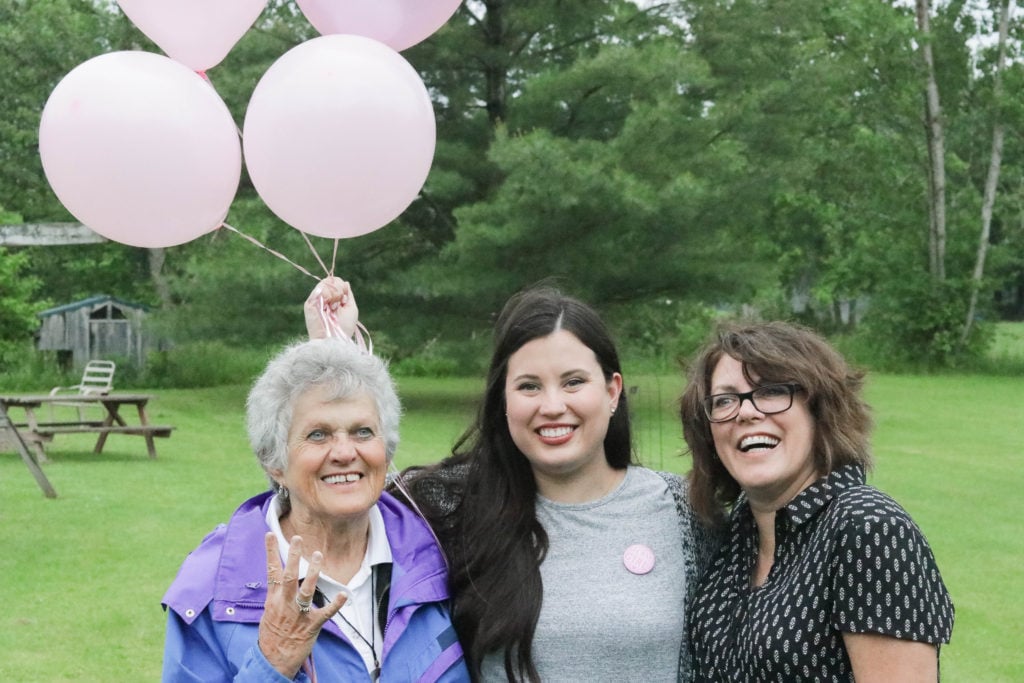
319,599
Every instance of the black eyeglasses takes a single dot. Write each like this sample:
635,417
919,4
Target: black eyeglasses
769,399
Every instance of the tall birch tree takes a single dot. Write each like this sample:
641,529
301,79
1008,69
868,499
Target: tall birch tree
992,179
936,149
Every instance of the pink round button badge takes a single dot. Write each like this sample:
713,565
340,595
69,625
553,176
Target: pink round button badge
638,558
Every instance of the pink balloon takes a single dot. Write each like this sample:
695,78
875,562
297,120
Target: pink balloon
140,149
197,33
396,23
339,136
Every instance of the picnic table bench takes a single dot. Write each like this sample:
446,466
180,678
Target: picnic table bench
33,433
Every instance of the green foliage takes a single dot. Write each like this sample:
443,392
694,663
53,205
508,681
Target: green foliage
661,333
1005,356
24,369
202,364
17,315
430,365
715,153
916,323
73,272
1008,341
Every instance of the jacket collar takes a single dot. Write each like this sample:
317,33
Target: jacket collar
229,568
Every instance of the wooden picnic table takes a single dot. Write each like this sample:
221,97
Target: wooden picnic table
34,432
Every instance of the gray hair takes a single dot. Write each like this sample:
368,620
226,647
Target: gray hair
336,364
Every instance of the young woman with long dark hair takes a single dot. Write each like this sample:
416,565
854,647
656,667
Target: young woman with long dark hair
567,560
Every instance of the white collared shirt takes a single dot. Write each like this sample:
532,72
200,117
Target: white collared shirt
359,608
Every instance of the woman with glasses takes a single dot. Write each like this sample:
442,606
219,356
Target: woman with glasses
820,576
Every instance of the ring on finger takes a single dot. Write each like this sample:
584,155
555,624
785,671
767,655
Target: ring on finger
273,582
303,604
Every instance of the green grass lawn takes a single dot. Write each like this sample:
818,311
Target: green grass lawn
83,574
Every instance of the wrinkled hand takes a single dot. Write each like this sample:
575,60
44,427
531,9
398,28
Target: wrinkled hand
287,633
332,301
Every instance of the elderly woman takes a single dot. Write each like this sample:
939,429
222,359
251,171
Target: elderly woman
820,577
363,590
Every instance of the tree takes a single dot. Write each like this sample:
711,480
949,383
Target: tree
683,153
936,150
992,179
604,171
815,95
17,315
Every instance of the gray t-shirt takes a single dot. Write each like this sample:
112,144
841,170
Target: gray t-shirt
599,621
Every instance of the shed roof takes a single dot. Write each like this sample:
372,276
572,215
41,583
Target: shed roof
91,301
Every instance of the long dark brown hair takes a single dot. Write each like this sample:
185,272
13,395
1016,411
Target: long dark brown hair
774,352
491,536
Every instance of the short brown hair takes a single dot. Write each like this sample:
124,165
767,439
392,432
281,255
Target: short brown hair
775,352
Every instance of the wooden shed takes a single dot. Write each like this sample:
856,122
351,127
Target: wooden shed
97,328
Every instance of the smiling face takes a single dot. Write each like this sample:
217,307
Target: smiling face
336,457
771,456
558,405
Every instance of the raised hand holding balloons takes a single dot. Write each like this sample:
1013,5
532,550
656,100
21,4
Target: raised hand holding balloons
140,149
197,33
396,23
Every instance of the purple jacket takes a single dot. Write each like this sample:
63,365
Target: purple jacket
215,604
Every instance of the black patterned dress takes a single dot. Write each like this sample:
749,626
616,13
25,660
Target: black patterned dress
848,558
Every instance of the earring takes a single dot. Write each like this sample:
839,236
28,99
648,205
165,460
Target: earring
282,491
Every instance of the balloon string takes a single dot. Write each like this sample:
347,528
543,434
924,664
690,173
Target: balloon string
310,245
271,251
334,256
361,337
330,321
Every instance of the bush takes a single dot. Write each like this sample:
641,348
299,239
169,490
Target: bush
24,369
915,324
449,359
661,333
202,364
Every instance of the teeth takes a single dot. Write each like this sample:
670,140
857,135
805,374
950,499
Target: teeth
554,432
758,441
342,478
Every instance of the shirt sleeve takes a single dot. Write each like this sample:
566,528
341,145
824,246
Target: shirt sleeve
885,578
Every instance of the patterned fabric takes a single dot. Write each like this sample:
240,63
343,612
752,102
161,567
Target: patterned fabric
848,558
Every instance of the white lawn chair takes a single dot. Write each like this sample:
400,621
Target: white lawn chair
98,379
